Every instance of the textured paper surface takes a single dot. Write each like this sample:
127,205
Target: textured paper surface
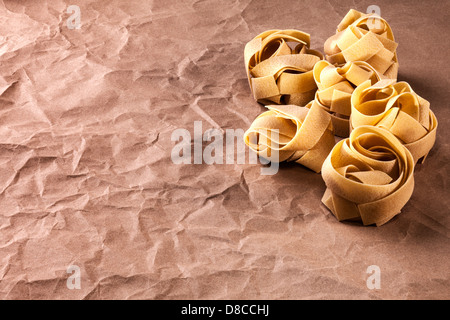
86,118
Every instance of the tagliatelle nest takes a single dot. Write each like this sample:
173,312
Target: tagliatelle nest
396,107
335,88
279,67
387,127
292,133
369,176
364,37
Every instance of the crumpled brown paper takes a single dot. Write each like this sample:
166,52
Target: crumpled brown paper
86,178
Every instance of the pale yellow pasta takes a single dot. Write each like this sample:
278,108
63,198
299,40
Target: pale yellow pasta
335,88
397,108
369,176
279,67
352,94
364,37
292,133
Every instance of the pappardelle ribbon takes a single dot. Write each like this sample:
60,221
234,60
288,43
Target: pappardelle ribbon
300,134
353,94
369,176
335,88
364,37
279,67
397,108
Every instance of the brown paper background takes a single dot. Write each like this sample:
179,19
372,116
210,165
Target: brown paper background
86,177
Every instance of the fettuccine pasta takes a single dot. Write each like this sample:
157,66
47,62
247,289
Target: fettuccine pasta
292,133
397,108
369,176
364,37
335,88
279,67
353,94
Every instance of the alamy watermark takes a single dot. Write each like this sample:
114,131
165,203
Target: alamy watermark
74,280
374,280
74,21
222,148
374,22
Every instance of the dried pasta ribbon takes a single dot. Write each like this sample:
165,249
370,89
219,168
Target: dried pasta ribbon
397,108
279,67
303,134
369,176
364,37
335,88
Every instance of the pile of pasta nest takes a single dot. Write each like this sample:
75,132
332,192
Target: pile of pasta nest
350,92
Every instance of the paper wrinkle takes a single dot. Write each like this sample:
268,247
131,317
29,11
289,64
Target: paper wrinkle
86,178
